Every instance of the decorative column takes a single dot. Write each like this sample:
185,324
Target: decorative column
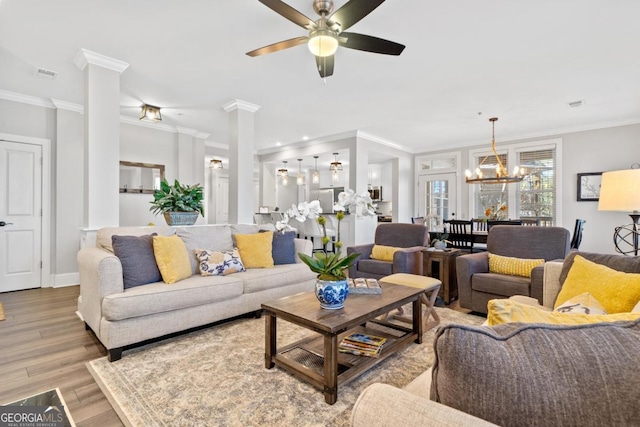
101,138
241,149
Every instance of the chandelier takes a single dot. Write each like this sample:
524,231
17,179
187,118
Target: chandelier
502,176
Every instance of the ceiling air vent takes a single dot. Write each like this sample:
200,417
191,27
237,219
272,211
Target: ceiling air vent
48,74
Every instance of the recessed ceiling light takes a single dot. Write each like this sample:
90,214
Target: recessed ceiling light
305,137
278,144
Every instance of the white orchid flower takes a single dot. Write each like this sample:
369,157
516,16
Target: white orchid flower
314,208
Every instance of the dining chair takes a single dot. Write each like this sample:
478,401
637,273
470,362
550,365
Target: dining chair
479,229
479,224
530,221
491,223
460,234
577,234
417,220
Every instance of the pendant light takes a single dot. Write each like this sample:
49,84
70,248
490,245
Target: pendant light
315,177
300,177
502,176
284,173
335,167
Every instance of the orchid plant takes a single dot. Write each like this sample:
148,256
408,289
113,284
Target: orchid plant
329,266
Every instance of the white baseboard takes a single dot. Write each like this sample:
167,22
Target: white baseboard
66,279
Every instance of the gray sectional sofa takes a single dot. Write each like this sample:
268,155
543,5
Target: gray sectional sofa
122,317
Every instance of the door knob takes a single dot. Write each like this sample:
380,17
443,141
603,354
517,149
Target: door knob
2,223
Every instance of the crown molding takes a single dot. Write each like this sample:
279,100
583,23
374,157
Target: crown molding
84,57
186,131
202,135
382,141
216,145
238,104
65,105
157,126
26,99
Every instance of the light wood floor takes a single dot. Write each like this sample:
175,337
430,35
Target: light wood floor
44,345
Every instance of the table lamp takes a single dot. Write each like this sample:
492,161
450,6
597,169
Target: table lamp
620,191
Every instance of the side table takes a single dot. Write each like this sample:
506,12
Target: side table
442,265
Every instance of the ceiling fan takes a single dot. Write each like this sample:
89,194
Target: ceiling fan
328,32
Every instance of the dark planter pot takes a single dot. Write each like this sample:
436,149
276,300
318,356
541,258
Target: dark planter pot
181,218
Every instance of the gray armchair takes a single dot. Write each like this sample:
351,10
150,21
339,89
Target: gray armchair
412,238
476,285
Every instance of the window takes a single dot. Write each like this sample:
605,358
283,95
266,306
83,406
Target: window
534,197
537,192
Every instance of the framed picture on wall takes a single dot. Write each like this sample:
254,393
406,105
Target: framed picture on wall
589,186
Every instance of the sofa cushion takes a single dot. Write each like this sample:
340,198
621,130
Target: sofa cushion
251,228
618,292
509,311
374,266
206,237
559,375
499,284
283,248
260,279
214,263
512,266
255,249
172,258
160,298
137,259
104,235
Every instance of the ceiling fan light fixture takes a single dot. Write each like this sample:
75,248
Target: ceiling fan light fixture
323,43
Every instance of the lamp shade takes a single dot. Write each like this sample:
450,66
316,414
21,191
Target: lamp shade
620,191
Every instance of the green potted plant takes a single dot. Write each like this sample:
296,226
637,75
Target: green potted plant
180,204
331,283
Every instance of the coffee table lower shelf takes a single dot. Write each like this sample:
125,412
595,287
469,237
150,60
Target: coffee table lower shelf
305,358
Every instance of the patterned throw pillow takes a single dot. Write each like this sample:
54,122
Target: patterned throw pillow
513,266
214,263
581,304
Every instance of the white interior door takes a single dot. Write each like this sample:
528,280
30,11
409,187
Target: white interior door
222,201
437,198
20,216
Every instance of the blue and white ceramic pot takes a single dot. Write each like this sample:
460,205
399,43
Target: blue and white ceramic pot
332,294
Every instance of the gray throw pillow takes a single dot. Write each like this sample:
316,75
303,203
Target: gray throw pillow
138,262
283,248
535,374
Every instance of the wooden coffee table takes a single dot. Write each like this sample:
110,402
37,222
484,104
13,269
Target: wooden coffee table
316,358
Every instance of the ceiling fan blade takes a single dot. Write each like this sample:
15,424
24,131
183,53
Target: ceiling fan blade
325,65
353,11
371,44
285,44
290,13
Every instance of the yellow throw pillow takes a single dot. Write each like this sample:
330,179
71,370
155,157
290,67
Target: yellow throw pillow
618,292
513,266
383,253
172,258
255,249
509,311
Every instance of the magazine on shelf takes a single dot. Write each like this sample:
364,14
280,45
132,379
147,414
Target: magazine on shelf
364,286
362,345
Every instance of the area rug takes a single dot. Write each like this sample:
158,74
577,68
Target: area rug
2,316
216,376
